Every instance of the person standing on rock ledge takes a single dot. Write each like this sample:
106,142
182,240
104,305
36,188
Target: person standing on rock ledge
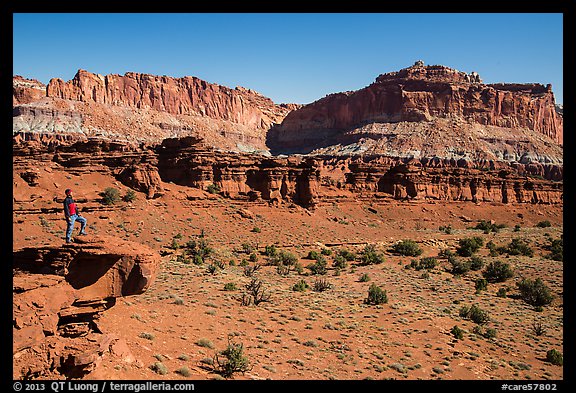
72,215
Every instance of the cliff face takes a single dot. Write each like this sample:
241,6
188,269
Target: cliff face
420,94
178,96
305,181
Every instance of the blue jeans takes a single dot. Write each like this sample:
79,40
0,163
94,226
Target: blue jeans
73,219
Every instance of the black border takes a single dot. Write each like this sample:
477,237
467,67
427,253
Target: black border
412,6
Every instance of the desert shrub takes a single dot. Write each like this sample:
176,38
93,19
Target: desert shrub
199,250
270,251
256,293
213,189
300,286
445,253
256,230
493,248
318,267
313,255
247,248
475,314
535,292
369,256
556,248
476,263
376,295
283,258
488,226
427,263
249,270
321,285
457,332
517,228
347,255
130,196
498,271
468,246
231,360
230,286
480,284
339,262
326,251
554,357
364,278
110,196
486,333
459,267
502,292
538,329
184,371
447,229
519,247
174,245
159,368
407,248
544,224
253,257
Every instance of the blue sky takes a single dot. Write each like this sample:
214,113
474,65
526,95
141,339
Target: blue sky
290,57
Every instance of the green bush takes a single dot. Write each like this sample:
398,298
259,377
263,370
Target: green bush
231,360
376,295
519,247
159,368
480,284
535,292
369,256
129,196
457,332
364,278
554,357
339,262
476,263
544,224
326,251
459,267
407,248
318,267
468,246
300,286
347,255
321,285
110,196
475,314
230,286
498,271
556,248
488,226
447,229
213,189
270,251
502,292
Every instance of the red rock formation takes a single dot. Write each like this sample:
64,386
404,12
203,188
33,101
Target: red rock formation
59,291
418,94
25,90
301,180
182,96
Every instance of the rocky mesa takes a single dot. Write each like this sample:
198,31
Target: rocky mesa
449,113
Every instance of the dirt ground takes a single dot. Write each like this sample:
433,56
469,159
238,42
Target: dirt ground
188,316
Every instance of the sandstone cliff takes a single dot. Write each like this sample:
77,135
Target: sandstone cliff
417,95
305,181
178,96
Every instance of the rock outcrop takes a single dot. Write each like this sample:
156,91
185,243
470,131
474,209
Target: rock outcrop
25,90
305,181
415,95
59,293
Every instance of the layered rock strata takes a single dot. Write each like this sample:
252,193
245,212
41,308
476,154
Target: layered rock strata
420,94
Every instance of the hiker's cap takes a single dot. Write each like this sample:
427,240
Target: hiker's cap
68,191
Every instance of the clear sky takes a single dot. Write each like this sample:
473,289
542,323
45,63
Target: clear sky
296,57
